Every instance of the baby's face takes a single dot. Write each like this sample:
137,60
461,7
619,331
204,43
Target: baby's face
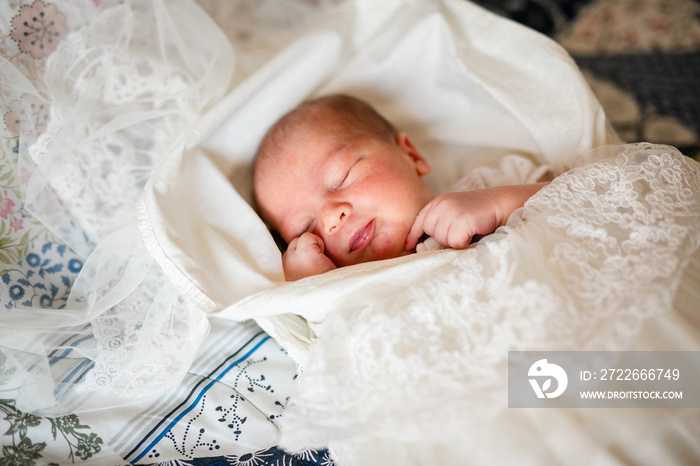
358,193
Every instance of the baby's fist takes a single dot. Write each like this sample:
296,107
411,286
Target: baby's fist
305,257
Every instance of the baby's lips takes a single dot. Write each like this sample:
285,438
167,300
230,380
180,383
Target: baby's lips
362,237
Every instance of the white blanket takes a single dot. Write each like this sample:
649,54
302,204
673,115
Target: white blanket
467,86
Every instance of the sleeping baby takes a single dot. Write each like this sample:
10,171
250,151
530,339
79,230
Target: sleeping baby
342,186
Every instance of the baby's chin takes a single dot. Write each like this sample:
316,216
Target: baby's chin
380,248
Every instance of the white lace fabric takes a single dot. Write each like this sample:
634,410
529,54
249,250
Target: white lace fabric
96,115
588,262
120,105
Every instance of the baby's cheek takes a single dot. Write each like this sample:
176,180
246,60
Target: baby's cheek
388,246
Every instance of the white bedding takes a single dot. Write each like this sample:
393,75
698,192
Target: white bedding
142,166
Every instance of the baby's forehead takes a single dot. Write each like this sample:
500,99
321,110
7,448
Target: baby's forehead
294,154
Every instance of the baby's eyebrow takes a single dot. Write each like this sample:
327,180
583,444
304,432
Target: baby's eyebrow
336,153
338,150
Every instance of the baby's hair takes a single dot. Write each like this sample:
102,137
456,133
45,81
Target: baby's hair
355,114
351,113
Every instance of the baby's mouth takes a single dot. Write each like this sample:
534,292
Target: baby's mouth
362,237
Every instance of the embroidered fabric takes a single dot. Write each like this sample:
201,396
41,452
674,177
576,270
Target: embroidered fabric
590,259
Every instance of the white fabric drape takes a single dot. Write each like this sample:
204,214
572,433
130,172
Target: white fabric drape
122,86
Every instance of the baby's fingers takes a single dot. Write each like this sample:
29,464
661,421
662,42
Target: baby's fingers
309,240
304,258
292,246
417,229
457,238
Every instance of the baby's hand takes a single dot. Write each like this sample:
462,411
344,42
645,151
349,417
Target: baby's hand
453,219
305,257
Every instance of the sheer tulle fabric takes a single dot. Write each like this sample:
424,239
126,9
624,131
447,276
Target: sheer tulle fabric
122,86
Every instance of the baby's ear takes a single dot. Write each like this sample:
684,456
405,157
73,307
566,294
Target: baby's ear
405,144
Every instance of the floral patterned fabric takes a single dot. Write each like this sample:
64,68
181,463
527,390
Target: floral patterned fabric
37,28
36,267
80,444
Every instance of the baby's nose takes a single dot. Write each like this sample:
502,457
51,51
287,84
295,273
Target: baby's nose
335,216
